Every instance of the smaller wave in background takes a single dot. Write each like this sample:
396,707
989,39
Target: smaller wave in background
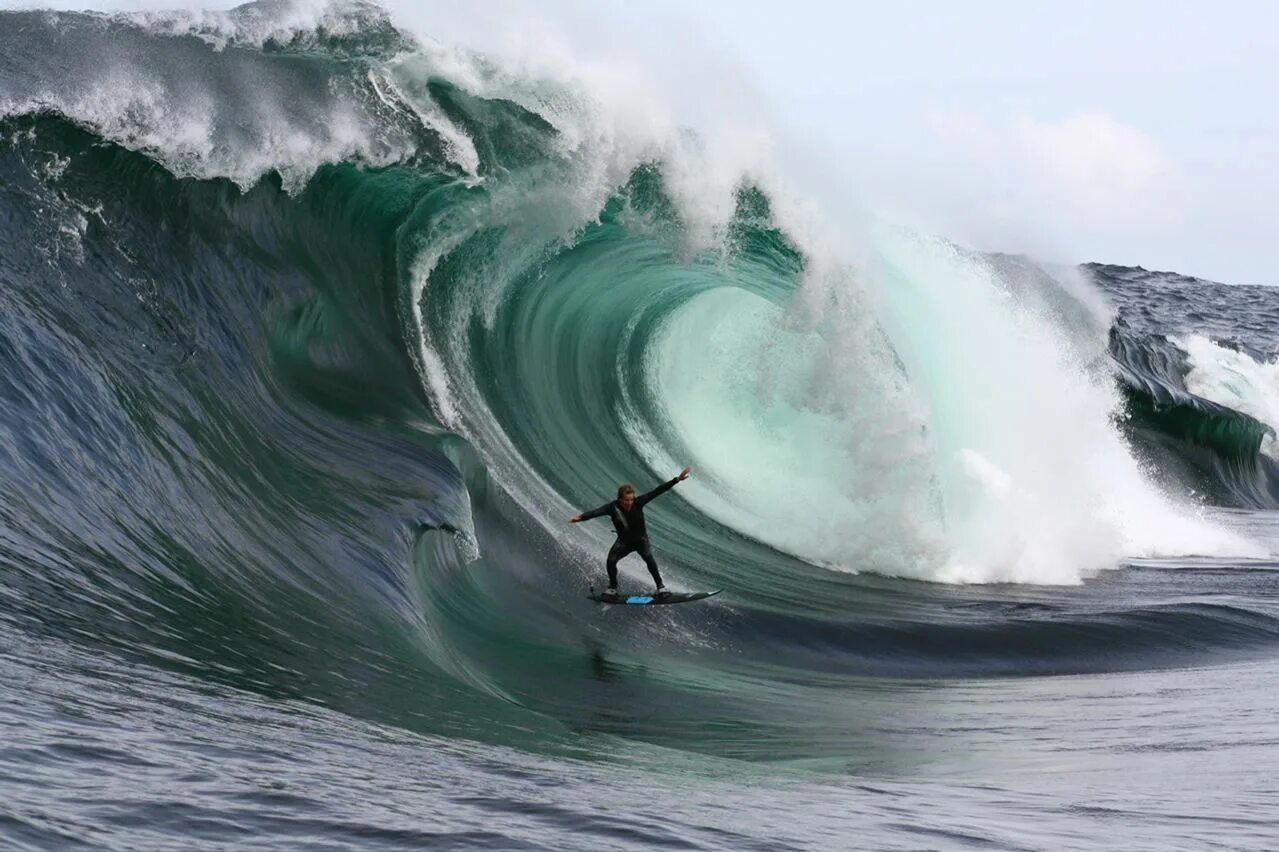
1196,361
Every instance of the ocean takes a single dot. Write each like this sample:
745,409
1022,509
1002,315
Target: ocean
316,330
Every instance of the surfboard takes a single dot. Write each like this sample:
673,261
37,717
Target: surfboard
651,600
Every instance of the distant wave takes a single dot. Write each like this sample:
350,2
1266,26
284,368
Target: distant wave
1225,454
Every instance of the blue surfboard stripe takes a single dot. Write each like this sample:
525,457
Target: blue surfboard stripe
652,600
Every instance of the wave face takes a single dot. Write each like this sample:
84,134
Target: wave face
315,333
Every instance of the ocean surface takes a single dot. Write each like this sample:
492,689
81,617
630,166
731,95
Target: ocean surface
314,332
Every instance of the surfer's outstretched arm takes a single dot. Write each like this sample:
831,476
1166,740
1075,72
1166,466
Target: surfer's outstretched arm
663,488
593,513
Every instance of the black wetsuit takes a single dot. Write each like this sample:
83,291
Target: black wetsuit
632,533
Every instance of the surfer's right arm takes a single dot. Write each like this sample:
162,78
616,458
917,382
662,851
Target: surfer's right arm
643,499
593,513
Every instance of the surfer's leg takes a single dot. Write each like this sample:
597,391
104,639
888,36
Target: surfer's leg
646,553
616,552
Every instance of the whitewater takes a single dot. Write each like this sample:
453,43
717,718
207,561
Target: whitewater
321,319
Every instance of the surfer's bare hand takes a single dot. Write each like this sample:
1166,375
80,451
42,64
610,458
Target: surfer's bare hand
575,519
683,474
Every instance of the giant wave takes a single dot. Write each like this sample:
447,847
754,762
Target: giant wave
315,329
580,311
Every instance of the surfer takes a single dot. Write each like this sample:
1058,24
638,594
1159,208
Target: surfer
627,514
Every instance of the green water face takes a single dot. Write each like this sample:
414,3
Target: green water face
761,401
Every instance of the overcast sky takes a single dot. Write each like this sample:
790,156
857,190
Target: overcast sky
1124,131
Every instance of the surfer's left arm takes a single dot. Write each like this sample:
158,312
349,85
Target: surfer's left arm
664,487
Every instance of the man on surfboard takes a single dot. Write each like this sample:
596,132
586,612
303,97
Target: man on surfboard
627,514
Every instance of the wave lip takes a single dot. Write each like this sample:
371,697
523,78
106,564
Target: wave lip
236,106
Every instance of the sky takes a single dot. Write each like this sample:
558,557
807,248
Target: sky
1132,132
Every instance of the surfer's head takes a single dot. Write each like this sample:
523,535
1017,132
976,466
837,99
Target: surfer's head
626,496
